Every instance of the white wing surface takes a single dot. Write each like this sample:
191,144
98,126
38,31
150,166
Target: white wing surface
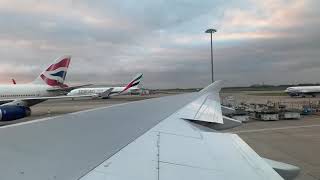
176,149
145,140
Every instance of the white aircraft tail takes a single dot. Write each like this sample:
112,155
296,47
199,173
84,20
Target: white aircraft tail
55,74
135,82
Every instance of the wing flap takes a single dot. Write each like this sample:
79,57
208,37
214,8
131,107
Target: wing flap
161,155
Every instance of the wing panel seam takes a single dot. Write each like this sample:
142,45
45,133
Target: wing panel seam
173,134
185,165
158,155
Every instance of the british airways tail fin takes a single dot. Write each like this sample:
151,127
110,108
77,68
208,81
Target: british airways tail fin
55,74
133,83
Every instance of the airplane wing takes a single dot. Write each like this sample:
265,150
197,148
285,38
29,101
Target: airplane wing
105,94
69,88
161,138
30,101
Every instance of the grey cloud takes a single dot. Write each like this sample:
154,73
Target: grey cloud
112,54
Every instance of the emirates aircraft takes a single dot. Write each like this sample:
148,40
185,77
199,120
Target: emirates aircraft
105,92
16,99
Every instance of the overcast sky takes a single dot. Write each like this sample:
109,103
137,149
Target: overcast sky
270,41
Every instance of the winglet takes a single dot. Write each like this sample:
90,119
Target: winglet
206,107
213,87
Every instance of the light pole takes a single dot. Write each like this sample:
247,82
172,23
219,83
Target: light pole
211,31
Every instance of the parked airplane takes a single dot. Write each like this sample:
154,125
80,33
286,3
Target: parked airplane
303,91
174,137
132,86
15,99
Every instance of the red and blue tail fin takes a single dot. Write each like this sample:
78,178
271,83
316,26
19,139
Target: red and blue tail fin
55,74
133,83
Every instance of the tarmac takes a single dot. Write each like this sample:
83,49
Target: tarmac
296,142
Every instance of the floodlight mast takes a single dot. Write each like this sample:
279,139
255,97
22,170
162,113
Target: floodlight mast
211,31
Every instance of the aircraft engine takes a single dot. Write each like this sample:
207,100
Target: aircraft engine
11,112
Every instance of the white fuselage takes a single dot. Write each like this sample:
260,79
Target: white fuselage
298,90
96,91
18,91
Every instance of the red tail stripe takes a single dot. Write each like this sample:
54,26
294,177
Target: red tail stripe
64,86
127,87
130,84
50,82
63,63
